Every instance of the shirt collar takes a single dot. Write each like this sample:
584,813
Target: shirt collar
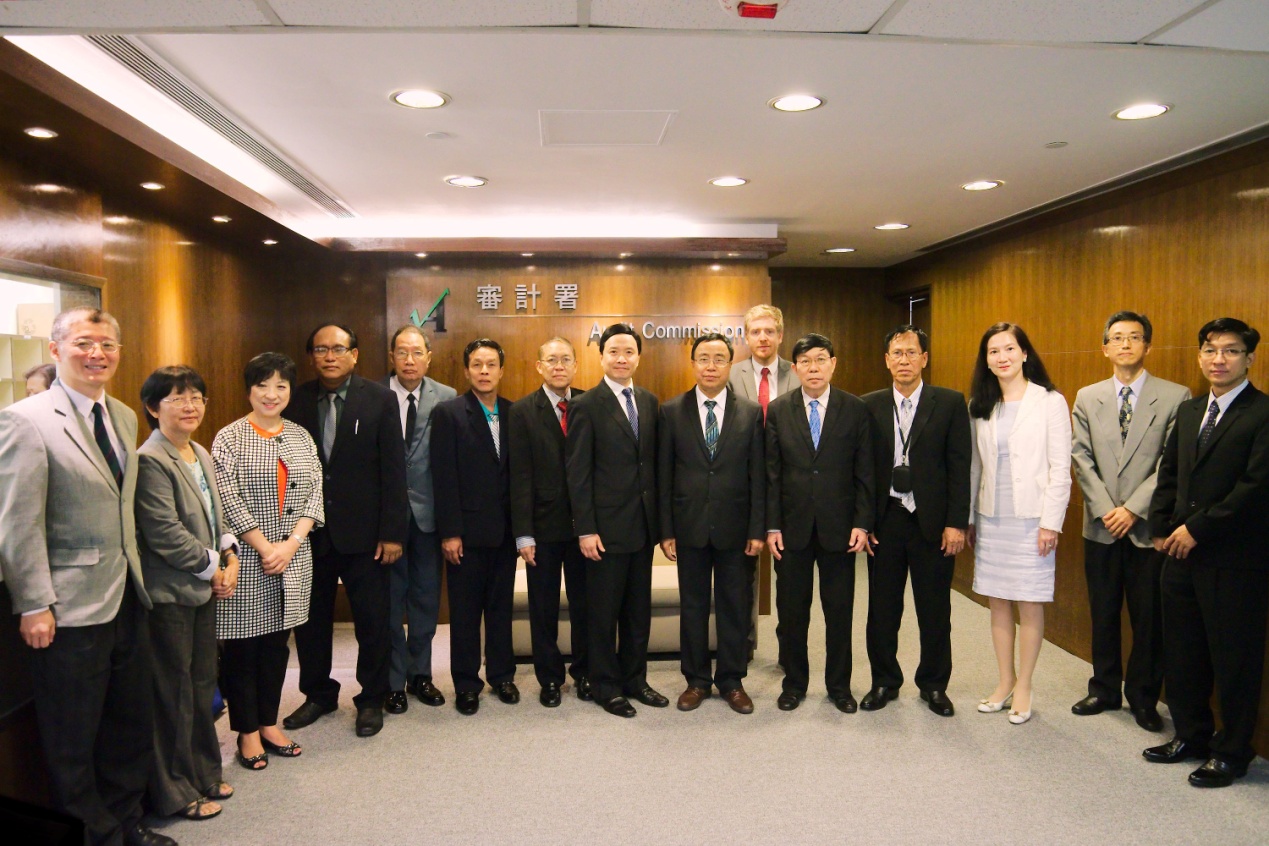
395,384
617,388
83,404
1229,396
823,398
1135,385
914,399
721,399
556,399
341,391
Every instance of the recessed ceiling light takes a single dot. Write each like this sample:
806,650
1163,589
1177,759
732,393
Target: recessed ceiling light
1141,111
527,255
982,185
531,267
466,181
419,98
152,186
621,267
889,226
728,181
795,103
1055,145
840,250
184,243
222,218
715,267
50,188
118,220
436,267
1253,194
40,132
733,255
438,136
420,255
624,255
269,242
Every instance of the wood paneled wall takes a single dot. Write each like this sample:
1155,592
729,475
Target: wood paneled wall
1183,249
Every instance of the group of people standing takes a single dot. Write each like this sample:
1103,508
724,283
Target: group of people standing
128,565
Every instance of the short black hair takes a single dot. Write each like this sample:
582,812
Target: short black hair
47,372
487,343
1230,326
265,365
162,383
409,327
620,329
1147,331
812,341
714,336
922,338
352,336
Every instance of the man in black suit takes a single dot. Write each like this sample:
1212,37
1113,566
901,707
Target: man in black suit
471,475
611,468
543,521
712,488
922,449
356,426
819,511
1209,514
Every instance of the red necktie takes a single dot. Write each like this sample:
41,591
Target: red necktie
562,405
764,391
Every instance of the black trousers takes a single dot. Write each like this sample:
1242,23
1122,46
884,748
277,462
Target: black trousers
366,584
252,672
1117,571
619,602
94,704
901,550
482,587
795,586
731,574
554,560
1214,636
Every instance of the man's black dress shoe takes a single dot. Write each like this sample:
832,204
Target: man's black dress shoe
1174,752
846,704
876,699
138,834
426,691
307,714
648,696
369,721
939,703
619,706
508,693
1217,773
550,695
1148,718
789,700
584,691
1090,705
467,703
396,702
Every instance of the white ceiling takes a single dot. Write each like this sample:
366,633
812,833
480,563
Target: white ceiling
921,96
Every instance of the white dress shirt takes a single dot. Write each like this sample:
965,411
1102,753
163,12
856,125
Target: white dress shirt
721,399
1222,402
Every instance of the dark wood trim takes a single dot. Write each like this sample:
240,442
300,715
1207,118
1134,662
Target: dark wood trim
608,248
49,274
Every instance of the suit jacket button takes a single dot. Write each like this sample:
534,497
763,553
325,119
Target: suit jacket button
1193,504
295,484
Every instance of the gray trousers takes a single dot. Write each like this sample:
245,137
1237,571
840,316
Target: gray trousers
414,594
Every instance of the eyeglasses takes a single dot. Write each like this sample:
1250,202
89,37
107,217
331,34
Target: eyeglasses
1118,340
86,346
399,355
806,361
553,361
184,402
340,350
707,360
1222,352
904,355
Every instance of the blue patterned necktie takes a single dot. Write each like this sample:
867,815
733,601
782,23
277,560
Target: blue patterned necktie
631,412
1213,411
1125,412
711,428
815,423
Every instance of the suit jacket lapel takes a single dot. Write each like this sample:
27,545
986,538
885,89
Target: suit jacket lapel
477,420
729,420
546,414
745,379
1143,414
187,476
692,420
78,431
348,424
616,409
1228,419
924,410
1107,418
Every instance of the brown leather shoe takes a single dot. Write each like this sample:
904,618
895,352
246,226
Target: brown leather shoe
739,701
692,698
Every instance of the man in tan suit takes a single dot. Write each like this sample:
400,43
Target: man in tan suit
68,555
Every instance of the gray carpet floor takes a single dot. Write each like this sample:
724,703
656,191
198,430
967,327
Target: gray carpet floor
574,774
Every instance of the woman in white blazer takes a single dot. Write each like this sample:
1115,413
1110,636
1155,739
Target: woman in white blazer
1020,484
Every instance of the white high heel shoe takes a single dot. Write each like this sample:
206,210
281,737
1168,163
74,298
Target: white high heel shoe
1017,718
986,706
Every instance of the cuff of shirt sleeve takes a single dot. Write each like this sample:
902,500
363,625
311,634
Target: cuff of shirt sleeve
591,535
214,557
527,540
34,611
228,541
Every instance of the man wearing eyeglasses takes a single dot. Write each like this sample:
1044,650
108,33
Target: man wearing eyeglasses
415,578
1210,515
356,425
68,556
1119,428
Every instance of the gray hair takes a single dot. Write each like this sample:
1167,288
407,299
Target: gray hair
63,321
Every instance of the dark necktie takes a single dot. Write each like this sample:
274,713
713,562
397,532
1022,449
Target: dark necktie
1125,412
631,411
1213,411
103,444
328,428
711,428
411,420
764,390
562,405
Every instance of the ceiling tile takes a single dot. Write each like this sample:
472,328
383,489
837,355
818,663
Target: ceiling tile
800,16
1228,25
607,127
133,15
1123,21
426,13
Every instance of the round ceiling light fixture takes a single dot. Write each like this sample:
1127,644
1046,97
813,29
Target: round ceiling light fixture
728,181
796,103
1142,111
466,181
887,227
40,132
838,250
419,98
982,185
222,218
420,255
152,186
269,242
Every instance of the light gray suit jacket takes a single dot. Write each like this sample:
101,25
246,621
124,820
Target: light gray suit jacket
172,519
742,379
68,538
1112,472
418,458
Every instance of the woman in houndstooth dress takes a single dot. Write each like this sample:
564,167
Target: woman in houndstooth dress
270,481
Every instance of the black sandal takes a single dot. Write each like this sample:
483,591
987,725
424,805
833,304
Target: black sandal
262,760
291,750
219,792
194,810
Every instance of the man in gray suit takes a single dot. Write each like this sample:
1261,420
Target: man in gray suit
764,375
415,577
68,554
1120,427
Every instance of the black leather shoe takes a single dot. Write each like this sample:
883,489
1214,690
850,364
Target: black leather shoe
1090,705
369,721
426,692
876,699
648,696
467,703
550,695
1217,773
939,703
1174,752
396,702
137,834
307,714
1148,718
508,693
846,704
584,691
619,706
789,700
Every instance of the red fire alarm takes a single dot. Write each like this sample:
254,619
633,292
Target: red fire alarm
757,10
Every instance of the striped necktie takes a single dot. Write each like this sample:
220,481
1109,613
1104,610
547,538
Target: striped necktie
711,428
631,411
103,444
